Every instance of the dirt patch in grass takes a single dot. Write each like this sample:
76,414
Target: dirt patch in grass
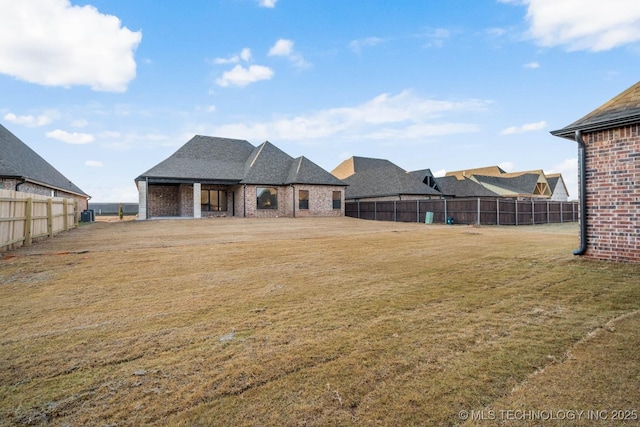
310,322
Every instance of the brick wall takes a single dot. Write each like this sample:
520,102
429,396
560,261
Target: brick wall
613,194
320,201
163,200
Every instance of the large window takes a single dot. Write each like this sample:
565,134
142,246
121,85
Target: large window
337,199
213,200
303,199
267,198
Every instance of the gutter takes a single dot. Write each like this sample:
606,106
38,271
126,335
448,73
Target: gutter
583,193
24,181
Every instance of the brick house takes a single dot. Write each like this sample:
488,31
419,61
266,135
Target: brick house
22,169
210,176
609,167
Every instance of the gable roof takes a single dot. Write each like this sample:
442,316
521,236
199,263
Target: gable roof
622,110
18,160
487,170
554,179
524,184
304,171
451,185
368,177
216,160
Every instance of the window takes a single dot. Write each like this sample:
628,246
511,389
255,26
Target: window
337,199
303,199
213,200
267,198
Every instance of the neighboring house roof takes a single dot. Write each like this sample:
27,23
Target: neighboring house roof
464,187
19,161
368,177
523,184
493,181
622,110
554,180
212,160
487,170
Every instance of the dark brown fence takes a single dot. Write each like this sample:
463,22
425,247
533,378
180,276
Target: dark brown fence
481,211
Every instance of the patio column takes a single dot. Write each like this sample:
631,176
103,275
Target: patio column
142,199
197,208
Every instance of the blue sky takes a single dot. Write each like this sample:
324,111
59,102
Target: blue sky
106,89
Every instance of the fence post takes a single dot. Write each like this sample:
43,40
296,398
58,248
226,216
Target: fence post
561,215
497,211
65,215
395,209
50,217
516,211
417,210
375,210
445,211
478,211
27,222
533,212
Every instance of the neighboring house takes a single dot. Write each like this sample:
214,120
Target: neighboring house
463,187
371,179
211,176
22,169
521,185
609,170
559,192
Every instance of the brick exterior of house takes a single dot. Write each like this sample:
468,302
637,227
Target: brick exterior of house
178,201
612,175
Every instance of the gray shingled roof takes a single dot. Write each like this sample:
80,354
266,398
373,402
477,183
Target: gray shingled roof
522,184
622,110
235,161
204,158
450,185
304,171
17,160
382,178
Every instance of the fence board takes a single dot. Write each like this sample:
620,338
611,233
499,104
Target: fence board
25,216
485,211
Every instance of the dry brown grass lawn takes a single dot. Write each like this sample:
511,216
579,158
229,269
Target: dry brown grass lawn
312,322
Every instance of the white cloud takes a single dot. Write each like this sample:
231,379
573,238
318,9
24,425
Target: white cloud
284,47
52,43
71,137
507,166
93,163
244,55
593,25
241,76
358,45
436,37
29,120
267,3
532,65
440,173
401,116
528,127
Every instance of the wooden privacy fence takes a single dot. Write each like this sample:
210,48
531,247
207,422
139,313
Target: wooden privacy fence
24,217
480,211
